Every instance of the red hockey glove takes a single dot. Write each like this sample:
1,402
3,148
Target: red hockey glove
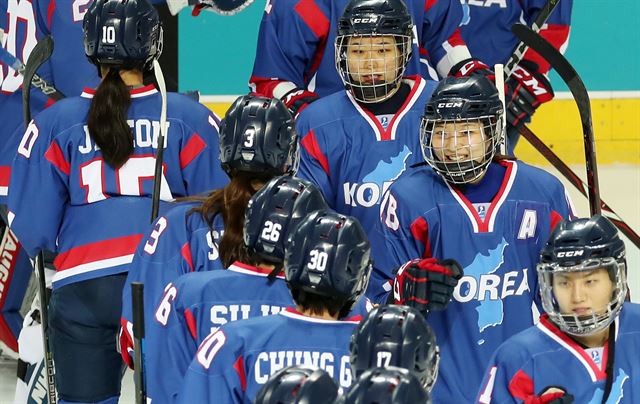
470,67
551,395
297,100
525,90
426,284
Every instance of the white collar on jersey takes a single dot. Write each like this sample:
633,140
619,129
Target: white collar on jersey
135,92
295,314
251,270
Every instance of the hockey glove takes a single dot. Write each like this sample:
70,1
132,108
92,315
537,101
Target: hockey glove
426,284
525,90
469,67
551,395
297,100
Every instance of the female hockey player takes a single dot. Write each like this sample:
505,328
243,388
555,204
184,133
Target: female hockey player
490,213
196,303
586,345
326,268
295,53
82,182
357,141
258,141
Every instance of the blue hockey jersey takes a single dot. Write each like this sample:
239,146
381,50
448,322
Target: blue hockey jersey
296,44
195,305
353,156
24,23
65,198
486,28
179,242
233,363
497,244
544,356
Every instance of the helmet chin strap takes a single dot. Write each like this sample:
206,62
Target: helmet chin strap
368,94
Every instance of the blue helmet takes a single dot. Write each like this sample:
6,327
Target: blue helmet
583,245
258,136
299,385
274,211
396,336
122,33
328,254
390,385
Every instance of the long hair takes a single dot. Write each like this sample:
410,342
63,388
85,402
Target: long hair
230,202
107,119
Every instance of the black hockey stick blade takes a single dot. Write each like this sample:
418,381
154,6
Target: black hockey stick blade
44,323
40,54
577,182
521,48
561,65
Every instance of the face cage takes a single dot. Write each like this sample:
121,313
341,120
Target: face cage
293,160
378,90
433,377
586,324
463,170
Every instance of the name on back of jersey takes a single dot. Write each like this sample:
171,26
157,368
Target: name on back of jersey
145,134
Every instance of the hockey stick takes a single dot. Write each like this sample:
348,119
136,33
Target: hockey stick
157,176
137,302
520,50
499,70
40,53
577,182
37,81
581,96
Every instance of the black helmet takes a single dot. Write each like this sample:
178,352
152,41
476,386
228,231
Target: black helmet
122,33
371,18
456,103
274,211
328,254
299,385
583,245
390,385
258,136
396,336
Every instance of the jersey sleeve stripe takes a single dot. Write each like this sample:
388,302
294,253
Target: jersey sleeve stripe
420,231
191,324
521,385
185,251
239,368
310,144
429,3
50,10
191,150
54,156
555,219
5,174
98,251
315,19
558,36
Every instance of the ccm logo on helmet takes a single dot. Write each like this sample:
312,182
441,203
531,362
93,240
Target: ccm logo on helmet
449,104
567,254
364,20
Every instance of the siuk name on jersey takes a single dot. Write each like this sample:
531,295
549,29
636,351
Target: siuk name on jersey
222,314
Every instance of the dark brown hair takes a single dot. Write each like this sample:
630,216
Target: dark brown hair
230,202
317,304
107,119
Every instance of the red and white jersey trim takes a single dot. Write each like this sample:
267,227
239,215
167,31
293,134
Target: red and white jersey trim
487,225
418,84
92,266
251,270
595,372
135,93
295,314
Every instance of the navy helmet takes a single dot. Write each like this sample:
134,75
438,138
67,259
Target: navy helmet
122,33
274,211
389,385
461,128
373,18
258,136
395,335
328,254
583,245
299,385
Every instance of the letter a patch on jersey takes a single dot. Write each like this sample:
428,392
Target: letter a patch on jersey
528,224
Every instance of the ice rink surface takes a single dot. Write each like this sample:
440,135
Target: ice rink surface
619,187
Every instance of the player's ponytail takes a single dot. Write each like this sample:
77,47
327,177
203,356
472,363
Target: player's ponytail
107,119
230,202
